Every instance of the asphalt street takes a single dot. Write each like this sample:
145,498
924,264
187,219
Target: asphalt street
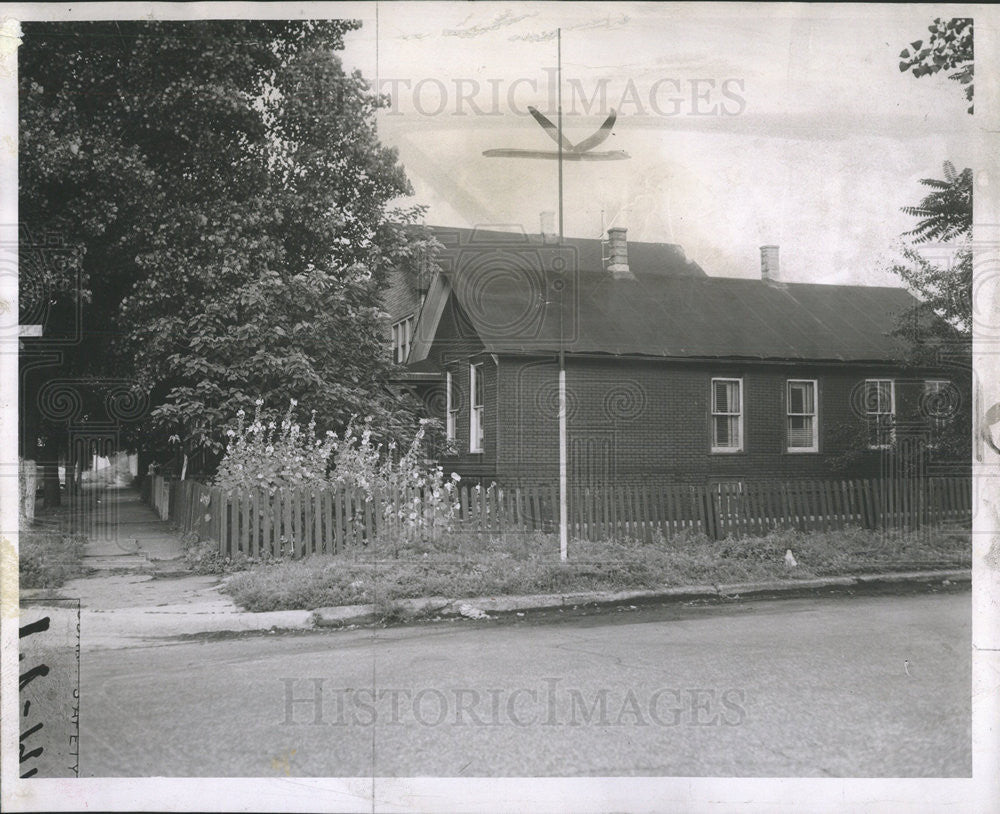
867,686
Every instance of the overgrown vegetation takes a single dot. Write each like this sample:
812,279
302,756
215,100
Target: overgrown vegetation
461,566
47,559
272,453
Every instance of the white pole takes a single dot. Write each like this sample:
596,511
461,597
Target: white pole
563,512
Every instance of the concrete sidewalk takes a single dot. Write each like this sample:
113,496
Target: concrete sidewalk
123,532
134,594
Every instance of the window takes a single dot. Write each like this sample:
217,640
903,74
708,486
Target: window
880,411
937,406
402,335
803,428
727,415
451,406
476,408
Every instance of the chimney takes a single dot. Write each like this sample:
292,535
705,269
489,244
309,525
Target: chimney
618,254
770,271
548,225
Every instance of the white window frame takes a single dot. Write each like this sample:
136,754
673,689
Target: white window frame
870,414
402,338
814,446
475,410
450,407
714,414
935,425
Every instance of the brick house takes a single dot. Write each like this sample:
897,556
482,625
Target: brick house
671,374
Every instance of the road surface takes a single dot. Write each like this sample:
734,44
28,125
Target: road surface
817,687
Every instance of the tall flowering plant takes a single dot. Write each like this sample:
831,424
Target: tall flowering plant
270,455
416,494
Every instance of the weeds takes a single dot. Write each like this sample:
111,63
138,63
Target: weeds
460,566
47,559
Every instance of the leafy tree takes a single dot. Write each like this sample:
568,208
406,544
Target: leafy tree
950,48
227,218
945,216
945,213
939,327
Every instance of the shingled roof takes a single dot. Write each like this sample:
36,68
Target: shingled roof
670,309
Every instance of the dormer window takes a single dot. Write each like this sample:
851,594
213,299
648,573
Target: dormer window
402,337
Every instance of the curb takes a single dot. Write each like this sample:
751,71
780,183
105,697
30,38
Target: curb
132,625
480,607
124,627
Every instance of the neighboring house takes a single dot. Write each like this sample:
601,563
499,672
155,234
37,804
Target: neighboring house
672,375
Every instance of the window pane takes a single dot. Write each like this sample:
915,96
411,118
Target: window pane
800,432
734,431
720,398
477,386
726,397
796,399
727,432
721,431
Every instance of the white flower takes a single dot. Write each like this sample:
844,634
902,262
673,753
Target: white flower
230,433
294,402
456,477
259,402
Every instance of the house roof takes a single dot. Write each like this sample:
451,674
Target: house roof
669,310
461,246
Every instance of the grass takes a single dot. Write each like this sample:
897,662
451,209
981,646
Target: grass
461,567
47,558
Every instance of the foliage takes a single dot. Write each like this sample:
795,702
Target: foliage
944,314
222,205
950,48
423,497
938,329
945,213
463,567
271,454
260,455
46,559
205,558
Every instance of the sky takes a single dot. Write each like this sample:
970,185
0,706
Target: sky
745,126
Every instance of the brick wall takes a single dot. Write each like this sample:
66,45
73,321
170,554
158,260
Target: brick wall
630,421
455,348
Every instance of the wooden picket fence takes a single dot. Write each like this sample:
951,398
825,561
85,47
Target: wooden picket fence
298,522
